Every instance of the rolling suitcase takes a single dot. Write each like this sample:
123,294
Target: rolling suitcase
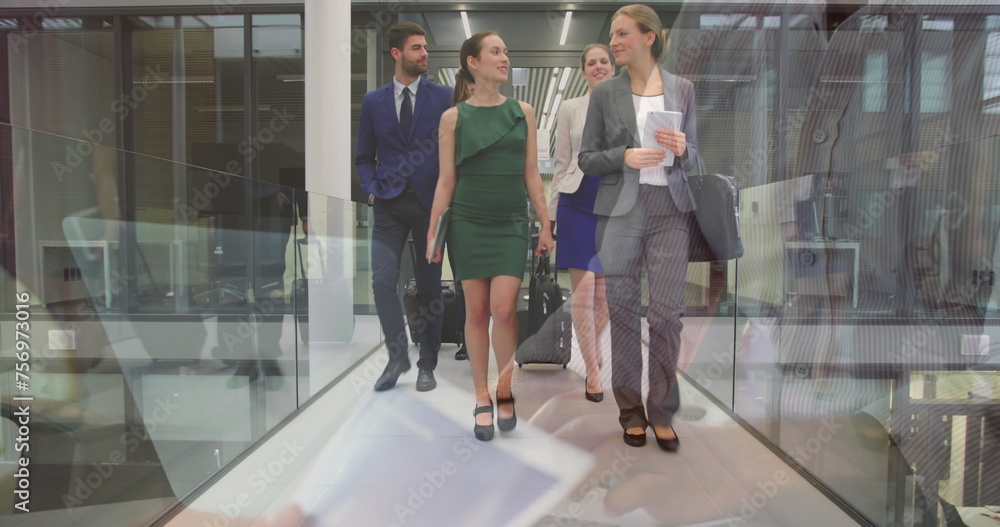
545,325
453,326
452,331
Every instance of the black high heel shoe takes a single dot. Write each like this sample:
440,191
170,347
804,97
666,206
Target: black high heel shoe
595,397
506,425
483,432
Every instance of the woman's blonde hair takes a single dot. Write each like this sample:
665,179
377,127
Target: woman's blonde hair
647,20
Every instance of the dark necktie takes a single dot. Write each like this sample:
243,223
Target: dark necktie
406,113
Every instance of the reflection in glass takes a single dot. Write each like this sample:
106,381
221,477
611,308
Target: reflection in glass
187,75
189,391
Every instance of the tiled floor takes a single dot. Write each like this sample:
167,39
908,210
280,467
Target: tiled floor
403,458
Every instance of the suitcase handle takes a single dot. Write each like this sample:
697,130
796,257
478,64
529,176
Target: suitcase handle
544,266
536,267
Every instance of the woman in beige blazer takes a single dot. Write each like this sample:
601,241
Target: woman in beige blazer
572,205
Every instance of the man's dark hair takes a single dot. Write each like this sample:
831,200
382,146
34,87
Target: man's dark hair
398,33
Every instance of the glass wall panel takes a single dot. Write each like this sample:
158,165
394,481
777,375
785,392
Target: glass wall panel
61,80
170,323
879,226
186,103
131,411
187,75
991,66
277,148
732,59
332,334
277,155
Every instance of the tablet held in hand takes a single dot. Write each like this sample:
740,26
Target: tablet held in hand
657,120
441,234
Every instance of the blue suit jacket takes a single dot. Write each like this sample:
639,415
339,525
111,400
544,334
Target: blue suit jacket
386,158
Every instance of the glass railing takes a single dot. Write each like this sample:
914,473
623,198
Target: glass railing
159,319
866,337
862,343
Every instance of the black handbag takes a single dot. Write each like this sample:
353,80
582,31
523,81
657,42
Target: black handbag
545,324
717,202
544,297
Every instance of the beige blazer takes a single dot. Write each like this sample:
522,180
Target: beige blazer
569,132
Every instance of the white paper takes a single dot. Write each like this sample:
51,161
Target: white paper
655,121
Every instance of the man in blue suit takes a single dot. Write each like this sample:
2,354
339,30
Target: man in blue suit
398,167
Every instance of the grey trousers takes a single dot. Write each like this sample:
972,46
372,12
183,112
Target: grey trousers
654,233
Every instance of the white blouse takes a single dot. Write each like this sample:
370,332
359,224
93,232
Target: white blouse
644,104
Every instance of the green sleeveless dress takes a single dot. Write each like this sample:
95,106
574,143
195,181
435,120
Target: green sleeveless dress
488,233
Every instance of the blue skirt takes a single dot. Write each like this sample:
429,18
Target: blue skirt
576,228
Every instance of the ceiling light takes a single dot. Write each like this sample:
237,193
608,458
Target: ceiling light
551,92
192,79
555,106
565,31
550,121
465,24
567,72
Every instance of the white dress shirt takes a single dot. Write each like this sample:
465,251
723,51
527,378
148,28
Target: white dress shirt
652,175
397,89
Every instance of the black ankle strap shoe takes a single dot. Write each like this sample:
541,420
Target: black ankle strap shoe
483,432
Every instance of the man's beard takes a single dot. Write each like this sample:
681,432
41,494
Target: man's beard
414,68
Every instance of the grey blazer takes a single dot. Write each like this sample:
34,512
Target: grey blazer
611,128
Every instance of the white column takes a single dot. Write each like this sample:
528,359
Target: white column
328,53
328,97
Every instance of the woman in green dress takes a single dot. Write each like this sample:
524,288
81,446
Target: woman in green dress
488,169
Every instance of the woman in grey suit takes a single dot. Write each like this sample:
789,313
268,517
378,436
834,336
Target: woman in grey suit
645,214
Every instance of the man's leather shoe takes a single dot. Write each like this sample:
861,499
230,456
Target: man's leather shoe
425,380
391,373
462,353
